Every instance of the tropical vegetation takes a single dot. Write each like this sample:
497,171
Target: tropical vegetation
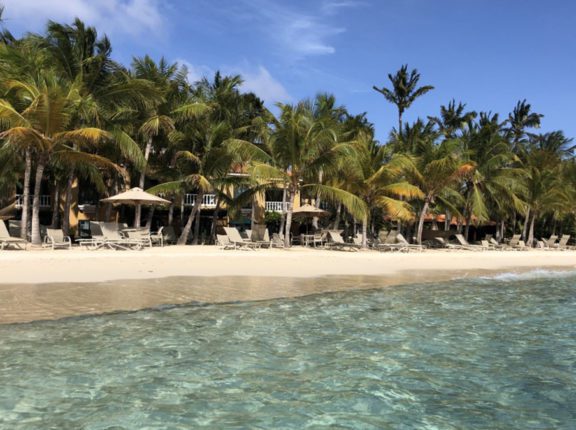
74,119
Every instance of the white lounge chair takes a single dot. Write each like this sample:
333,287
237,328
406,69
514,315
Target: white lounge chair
336,241
55,238
467,245
6,240
236,239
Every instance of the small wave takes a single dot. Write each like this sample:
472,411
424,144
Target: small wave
532,274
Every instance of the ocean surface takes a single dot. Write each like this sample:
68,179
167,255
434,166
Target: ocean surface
494,352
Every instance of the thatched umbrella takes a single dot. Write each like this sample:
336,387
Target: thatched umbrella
309,211
136,196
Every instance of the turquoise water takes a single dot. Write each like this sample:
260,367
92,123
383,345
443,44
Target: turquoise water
487,353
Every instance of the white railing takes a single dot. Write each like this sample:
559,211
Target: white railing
44,200
208,200
276,206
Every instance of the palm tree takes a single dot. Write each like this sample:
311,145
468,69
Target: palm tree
542,173
435,169
519,120
404,90
43,127
378,180
493,182
301,147
452,119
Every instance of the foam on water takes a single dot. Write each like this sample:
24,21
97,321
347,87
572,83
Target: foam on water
530,275
466,354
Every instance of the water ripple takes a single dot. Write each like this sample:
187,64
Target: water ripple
491,353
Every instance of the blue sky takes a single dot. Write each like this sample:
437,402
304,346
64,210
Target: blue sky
486,53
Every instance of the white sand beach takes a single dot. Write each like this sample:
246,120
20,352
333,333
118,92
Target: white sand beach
54,284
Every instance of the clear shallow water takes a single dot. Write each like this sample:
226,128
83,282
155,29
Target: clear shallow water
489,353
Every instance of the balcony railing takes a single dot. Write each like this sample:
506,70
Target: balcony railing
208,200
44,201
276,206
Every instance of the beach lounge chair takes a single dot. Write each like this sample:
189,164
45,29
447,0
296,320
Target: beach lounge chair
563,242
487,245
138,237
115,239
516,244
335,241
235,238
223,242
443,243
550,243
467,245
6,240
259,234
388,242
157,238
55,238
402,242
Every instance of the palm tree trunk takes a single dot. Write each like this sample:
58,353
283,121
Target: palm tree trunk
215,220
289,218
197,216
182,199
186,230
530,240
526,221
26,196
171,213
141,182
421,221
36,239
317,202
399,124
365,232
283,218
67,205
56,208
150,217
337,218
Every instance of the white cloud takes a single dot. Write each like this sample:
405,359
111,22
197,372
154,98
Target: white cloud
258,81
133,17
264,86
300,33
333,6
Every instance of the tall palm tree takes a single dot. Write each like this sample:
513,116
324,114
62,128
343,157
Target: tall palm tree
452,119
493,182
44,127
542,174
436,168
404,90
520,119
378,180
301,147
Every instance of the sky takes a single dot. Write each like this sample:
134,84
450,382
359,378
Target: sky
488,54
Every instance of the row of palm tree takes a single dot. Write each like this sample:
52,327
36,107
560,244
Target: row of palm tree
70,115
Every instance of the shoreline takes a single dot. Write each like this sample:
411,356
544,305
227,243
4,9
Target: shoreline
48,285
66,266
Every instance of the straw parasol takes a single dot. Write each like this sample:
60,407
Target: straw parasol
136,196
307,210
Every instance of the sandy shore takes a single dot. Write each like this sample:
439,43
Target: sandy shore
53,284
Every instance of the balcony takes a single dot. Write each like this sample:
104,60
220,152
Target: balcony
276,207
44,201
208,200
